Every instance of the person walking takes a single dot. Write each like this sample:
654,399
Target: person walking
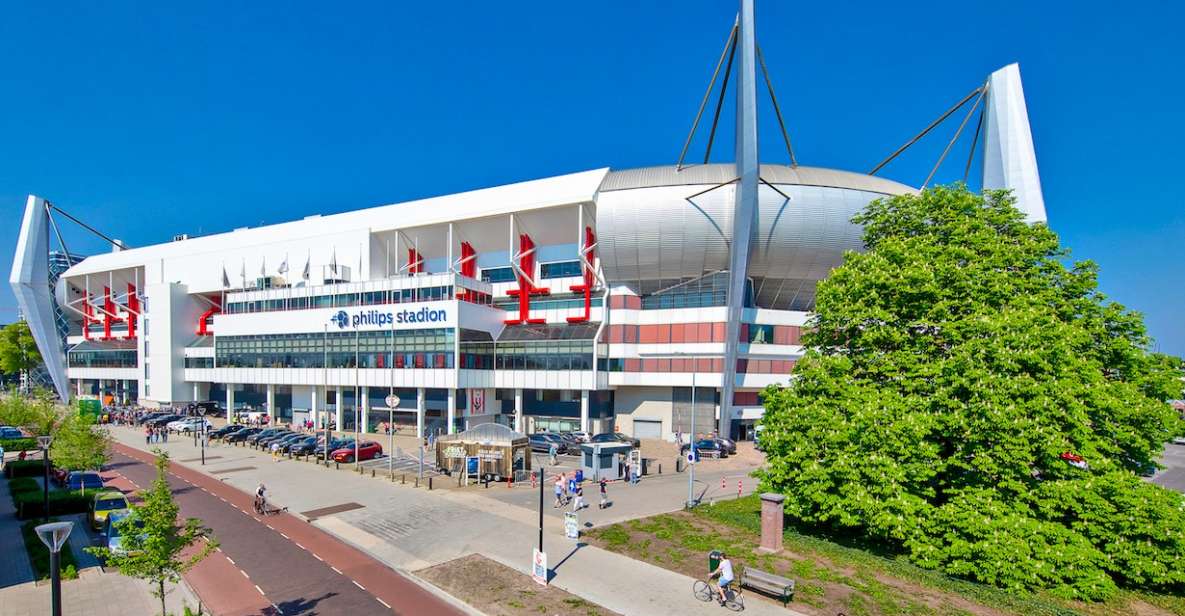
559,491
627,472
148,435
552,451
635,470
578,502
164,433
604,494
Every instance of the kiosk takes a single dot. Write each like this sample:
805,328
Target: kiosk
604,460
499,452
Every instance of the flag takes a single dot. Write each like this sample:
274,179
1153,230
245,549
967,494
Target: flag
225,278
284,266
263,268
333,261
307,261
243,272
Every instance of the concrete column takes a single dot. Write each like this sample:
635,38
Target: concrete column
421,407
518,411
584,412
315,408
230,401
365,409
271,404
195,392
340,414
771,522
452,410
78,387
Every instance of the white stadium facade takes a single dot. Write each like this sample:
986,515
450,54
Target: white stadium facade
636,300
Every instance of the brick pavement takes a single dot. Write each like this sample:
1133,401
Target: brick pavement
14,561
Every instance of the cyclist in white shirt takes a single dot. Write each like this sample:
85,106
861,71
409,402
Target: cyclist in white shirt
724,570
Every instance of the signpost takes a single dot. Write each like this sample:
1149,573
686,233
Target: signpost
539,566
571,525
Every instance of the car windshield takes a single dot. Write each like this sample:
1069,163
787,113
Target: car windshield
111,504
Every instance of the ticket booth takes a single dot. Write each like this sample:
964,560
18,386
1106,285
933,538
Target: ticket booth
605,460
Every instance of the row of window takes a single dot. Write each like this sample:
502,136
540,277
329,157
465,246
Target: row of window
425,348
366,298
675,333
124,358
511,305
704,364
557,269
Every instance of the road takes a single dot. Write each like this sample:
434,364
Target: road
298,568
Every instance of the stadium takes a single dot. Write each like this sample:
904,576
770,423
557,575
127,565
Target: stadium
654,302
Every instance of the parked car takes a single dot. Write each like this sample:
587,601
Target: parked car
334,445
241,436
728,444
112,533
580,436
105,504
162,421
615,437
83,480
542,441
265,441
189,424
366,451
225,431
258,436
708,448
571,440
11,432
290,446
281,444
1177,440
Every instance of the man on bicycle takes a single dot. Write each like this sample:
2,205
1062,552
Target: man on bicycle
261,498
724,570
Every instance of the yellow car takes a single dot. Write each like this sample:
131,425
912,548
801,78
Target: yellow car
102,506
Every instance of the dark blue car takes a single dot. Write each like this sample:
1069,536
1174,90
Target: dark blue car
83,481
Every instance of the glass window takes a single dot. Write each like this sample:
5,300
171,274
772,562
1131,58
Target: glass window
498,274
560,269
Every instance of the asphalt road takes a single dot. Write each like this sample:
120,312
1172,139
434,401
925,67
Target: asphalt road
1173,475
297,567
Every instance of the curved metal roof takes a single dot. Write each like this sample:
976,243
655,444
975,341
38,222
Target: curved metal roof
719,173
488,433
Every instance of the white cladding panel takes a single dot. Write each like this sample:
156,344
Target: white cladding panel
1009,160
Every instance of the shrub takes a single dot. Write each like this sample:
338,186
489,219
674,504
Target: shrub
39,554
24,468
61,502
19,444
21,485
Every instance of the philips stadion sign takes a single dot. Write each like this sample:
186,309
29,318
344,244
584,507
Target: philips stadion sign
421,315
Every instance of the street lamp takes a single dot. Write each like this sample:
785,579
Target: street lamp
54,536
43,442
392,403
205,431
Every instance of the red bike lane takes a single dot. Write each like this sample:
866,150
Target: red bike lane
294,567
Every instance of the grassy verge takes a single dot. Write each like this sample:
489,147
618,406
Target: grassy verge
835,574
39,554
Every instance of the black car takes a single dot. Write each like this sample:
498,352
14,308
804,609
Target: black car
239,436
290,446
147,417
225,431
162,421
308,447
542,442
345,443
259,436
709,448
266,441
615,437
285,441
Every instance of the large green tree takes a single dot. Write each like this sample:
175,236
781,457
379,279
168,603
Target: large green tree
978,404
153,540
79,444
18,350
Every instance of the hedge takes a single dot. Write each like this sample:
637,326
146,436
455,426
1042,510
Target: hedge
39,554
19,444
21,485
61,502
24,468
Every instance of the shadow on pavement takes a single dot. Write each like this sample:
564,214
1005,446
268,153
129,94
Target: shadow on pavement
299,606
552,573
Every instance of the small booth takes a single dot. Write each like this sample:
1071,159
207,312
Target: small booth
604,460
488,450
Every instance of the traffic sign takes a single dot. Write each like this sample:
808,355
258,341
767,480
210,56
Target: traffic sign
692,457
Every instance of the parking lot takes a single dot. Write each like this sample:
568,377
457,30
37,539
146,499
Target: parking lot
1173,475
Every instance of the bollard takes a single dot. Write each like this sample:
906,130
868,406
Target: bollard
403,479
336,466
372,472
417,482
739,481
429,484
659,468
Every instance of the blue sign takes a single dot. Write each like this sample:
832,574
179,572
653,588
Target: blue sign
381,318
471,466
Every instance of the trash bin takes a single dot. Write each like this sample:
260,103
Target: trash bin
714,560
579,475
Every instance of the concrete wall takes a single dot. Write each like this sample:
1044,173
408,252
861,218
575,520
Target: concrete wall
644,402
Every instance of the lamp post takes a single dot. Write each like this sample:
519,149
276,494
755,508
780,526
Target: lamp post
43,442
54,536
392,403
205,431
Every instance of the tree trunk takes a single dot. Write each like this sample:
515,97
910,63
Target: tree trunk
163,611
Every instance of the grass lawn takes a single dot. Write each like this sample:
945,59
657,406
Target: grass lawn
834,577
39,554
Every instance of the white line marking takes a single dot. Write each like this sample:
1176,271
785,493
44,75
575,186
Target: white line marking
259,589
358,585
231,561
318,557
301,546
244,574
283,535
338,571
278,610
385,604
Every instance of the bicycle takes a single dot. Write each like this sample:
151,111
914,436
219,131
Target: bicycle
705,591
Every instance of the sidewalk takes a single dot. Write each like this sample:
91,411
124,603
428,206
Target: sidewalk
94,593
14,562
410,528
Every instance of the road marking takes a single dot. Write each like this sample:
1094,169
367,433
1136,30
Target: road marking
358,585
301,546
318,557
244,574
283,535
339,571
260,590
385,604
278,610
231,561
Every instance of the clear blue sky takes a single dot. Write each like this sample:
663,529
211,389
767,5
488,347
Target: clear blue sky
150,120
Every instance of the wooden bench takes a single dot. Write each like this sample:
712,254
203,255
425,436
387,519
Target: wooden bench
768,583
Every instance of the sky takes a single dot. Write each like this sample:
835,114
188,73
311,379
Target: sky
151,119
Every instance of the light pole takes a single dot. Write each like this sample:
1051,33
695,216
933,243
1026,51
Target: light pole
392,403
54,536
205,431
691,500
43,442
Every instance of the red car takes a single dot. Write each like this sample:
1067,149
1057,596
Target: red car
366,450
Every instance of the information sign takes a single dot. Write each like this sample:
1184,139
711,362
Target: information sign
539,566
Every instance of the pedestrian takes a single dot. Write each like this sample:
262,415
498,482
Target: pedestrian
552,451
559,491
571,492
604,494
578,502
1,458
627,470
164,434
148,435
635,470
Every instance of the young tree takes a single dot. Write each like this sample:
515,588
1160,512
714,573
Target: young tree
152,538
37,413
971,400
79,444
18,350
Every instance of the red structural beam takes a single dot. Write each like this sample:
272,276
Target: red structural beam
133,310
204,329
468,267
415,261
108,310
526,265
588,253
